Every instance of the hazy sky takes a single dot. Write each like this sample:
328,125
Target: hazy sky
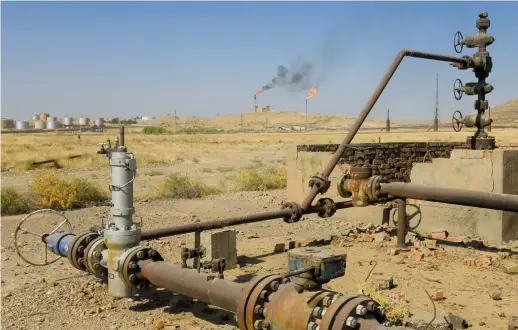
130,59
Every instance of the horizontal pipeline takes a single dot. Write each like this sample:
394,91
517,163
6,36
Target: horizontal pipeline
503,202
216,224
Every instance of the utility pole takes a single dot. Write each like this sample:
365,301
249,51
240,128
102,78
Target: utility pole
306,123
175,119
387,124
436,117
242,129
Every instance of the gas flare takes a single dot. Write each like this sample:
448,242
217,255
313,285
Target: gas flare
311,93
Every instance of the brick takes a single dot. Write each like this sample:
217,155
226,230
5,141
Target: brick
469,261
443,234
431,244
504,255
279,248
384,282
367,238
483,261
510,268
436,294
417,255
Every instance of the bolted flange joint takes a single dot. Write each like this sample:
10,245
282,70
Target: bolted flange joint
296,212
328,207
132,261
321,182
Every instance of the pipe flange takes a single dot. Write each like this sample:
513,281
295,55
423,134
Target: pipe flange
372,189
341,186
76,252
132,261
350,313
93,256
321,182
329,207
296,212
360,172
251,306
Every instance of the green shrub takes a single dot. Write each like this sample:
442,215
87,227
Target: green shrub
154,130
13,202
199,130
255,178
88,194
181,186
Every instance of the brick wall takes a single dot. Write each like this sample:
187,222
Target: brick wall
393,161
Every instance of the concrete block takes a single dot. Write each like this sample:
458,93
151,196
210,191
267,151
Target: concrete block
219,244
489,171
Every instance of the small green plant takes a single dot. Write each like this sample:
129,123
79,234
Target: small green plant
153,173
13,202
254,178
224,169
181,186
88,194
154,130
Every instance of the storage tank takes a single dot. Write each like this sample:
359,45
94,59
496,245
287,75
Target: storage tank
52,124
99,122
52,118
36,117
44,116
22,124
7,123
84,121
68,121
39,124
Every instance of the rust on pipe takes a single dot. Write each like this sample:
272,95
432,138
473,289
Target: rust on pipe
368,107
503,202
190,283
401,223
217,224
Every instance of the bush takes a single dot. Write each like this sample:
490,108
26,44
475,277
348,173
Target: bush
154,130
199,130
255,178
56,192
181,186
13,202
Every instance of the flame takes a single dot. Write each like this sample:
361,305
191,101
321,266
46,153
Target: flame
259,92
311,93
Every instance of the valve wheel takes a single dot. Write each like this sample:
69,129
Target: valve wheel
21,231
457,92
457,45
456,121
412,220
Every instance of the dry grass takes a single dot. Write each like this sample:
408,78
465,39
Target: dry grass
13,202
20,150
258,177
181,186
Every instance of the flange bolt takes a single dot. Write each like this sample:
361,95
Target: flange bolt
361,310
351,322
141,254
133,265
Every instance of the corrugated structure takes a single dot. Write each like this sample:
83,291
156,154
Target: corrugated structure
99,122
84,121
68,121
44,116
39,124
7,123
22,124
53,124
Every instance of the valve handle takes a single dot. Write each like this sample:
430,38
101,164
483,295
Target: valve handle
457,121
458,42
457,89
21,231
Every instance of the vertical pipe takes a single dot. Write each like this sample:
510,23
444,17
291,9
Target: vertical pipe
306,123
197,245
401,223
121,137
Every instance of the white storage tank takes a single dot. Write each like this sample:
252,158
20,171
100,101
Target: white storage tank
68,121
99,122
84,121
51,119
36,117
52,124
22,124
39,124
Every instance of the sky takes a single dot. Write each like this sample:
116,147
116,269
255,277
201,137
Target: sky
128,59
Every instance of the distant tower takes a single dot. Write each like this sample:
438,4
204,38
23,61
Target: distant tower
436,118
387,125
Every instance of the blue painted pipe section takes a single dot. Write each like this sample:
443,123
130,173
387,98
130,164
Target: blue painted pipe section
59,243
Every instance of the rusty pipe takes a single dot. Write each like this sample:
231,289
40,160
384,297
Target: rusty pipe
503,202
190,283
368,107
216,224
401,224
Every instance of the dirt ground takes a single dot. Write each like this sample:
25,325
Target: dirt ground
59,297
